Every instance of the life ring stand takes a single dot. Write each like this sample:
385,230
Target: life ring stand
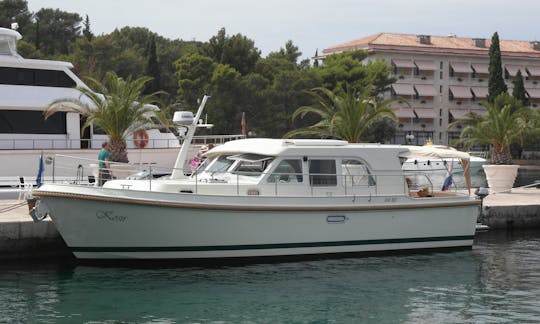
140,138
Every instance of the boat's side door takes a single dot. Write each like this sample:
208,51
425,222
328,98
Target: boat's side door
322,177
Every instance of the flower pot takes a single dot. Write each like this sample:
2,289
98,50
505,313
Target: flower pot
500,177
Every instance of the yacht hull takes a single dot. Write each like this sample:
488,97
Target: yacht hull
99,223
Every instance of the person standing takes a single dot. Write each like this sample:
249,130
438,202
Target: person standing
104,165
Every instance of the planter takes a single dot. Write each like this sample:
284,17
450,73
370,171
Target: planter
500,177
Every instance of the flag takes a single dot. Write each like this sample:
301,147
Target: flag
447,183
448,180
40,171
244,129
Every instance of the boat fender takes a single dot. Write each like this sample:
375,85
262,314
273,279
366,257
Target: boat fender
39,212
140,138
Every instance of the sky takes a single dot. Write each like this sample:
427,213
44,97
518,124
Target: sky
310,24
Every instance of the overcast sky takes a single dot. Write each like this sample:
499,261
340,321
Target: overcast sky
310,24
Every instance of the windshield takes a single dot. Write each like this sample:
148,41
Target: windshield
219,164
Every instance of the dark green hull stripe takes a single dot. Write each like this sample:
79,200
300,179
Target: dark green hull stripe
265,246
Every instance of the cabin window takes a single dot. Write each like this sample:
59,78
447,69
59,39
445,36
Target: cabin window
287,171
36,77
356,173
250,164
322,173
31,122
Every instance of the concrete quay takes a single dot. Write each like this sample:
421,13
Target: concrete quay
21,238
517,209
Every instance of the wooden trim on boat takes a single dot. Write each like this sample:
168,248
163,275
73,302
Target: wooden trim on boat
145,202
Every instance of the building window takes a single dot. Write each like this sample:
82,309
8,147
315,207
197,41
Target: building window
440,75
441,65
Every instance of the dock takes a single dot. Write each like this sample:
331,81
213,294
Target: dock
22,238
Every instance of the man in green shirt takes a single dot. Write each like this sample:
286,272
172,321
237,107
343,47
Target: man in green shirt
104,166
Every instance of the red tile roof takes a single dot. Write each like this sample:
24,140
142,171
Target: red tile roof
441,44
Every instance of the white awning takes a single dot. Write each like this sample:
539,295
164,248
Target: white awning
533,93
426,90
403,63
480,92
425,113
404,89
434,152
404,113
458,113
533,71
426,65
513,69
461,92
461,67
482,68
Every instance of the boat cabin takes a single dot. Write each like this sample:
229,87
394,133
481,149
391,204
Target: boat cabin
274,167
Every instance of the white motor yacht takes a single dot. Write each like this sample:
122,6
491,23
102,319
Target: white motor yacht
265,198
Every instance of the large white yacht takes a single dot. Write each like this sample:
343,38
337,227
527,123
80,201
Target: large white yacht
27,87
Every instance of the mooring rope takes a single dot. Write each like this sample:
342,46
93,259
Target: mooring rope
12,207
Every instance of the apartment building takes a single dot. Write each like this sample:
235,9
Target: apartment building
442,78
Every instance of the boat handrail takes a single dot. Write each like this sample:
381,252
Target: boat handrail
53,142
351,185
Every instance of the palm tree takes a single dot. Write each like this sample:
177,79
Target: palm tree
118,108
349,116
507,121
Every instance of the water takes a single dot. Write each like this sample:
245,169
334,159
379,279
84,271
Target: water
498,281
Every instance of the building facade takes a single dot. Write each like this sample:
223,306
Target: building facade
442,78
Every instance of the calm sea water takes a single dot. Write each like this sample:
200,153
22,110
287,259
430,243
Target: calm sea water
498,281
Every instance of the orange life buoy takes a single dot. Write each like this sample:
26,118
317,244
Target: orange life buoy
140,138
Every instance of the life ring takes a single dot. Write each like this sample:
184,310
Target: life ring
140,138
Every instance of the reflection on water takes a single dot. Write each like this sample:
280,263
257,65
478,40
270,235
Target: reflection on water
497,281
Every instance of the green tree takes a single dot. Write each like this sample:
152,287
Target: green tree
349,68
349,116
152,67
87,33
496,83
237,51
57,31
119,110
289,53
16,11
194,74
519,89
507,121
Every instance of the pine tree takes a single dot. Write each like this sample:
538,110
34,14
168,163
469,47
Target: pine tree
496,83
152,67
86,31
316,61
519,89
